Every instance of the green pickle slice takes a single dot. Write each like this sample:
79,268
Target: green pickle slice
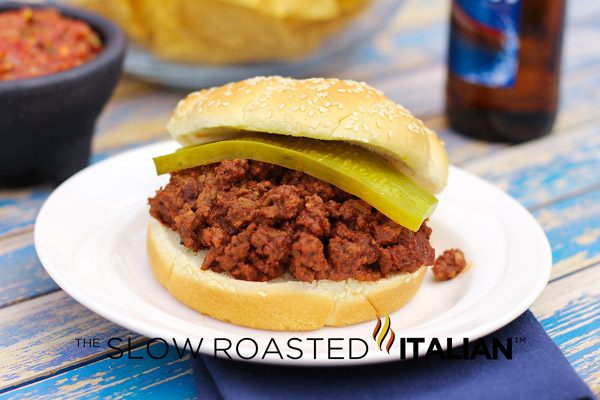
349,167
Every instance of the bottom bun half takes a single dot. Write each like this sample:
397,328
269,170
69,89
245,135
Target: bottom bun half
280,304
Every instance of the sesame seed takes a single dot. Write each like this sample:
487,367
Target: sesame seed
412,127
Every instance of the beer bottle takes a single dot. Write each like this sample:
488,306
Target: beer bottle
504,67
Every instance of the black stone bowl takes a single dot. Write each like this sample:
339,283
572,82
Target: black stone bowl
47,122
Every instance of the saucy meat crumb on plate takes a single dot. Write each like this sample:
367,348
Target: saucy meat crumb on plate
41,41
449,264
259,221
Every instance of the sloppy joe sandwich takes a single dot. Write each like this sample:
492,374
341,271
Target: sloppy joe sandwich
295,204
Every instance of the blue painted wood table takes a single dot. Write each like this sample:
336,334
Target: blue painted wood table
557,178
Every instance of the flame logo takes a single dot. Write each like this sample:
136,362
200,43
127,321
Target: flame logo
381,332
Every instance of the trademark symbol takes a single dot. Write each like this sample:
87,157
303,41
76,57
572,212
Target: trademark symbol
520,340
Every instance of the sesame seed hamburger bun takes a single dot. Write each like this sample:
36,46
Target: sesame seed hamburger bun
318,108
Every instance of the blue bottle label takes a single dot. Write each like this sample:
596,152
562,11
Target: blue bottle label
484,41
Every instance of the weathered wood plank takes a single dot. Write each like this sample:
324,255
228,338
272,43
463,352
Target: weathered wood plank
417,49
19,207
569,310
149,111
38,337
22,274
573,230
147,378
545,170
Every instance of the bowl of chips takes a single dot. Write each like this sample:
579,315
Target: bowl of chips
199,43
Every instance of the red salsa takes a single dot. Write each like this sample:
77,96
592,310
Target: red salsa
35,42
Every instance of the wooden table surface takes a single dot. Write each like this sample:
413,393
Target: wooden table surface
557,178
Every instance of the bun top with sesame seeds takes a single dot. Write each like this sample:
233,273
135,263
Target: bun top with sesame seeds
317,108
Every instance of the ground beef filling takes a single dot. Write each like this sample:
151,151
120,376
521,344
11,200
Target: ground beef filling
449,264
259,220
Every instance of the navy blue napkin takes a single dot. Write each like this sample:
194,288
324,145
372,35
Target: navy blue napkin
538,370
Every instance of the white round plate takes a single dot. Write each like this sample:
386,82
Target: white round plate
90,236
